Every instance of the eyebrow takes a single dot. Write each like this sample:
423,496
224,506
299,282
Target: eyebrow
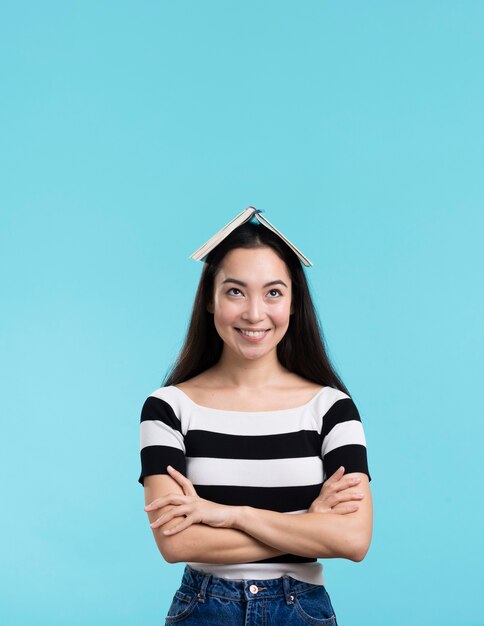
242,284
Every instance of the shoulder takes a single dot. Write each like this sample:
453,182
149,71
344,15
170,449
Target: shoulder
332,406
164,403
343,441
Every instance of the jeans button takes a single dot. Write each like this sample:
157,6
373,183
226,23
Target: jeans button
253,588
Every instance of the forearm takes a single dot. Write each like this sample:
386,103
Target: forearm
315,535
199,542
204,544
216,533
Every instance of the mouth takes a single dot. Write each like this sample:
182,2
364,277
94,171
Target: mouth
253,335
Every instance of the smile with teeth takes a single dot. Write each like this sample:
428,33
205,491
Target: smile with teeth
252,333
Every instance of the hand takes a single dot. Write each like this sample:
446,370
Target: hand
336,495
195,509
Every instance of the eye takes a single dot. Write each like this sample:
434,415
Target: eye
276,291
233,289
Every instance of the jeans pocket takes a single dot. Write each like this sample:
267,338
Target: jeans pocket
183,603
314,607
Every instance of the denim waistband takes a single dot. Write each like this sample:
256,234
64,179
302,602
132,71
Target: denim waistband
208,584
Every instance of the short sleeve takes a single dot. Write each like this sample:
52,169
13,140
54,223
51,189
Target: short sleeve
161,439
343,439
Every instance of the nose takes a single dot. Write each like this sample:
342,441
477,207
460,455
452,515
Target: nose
254,311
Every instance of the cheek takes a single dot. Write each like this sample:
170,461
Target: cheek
226,314
281,314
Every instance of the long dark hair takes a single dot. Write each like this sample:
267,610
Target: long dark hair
302,350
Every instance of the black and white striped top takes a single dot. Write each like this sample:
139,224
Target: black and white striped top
274,460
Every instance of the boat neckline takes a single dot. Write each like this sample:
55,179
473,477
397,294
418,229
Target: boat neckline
209,408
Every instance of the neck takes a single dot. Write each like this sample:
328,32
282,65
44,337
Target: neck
235,371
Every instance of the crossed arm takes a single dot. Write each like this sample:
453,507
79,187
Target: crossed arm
189,528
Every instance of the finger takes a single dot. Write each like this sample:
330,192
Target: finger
185,482
177,511
343,496
351,481
344,509
188,521
172,498
337,475
333,480
161,502
346,482
346,496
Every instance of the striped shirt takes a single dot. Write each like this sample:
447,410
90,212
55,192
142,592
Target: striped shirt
274,460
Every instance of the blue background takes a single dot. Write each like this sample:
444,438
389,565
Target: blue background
131,132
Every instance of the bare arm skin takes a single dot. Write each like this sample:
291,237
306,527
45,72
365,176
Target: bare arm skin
199,542
242,539
320,535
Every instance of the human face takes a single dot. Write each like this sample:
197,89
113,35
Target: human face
252,292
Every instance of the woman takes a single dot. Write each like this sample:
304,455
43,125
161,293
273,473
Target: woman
236,446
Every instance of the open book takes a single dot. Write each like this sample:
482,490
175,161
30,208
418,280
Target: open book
247,214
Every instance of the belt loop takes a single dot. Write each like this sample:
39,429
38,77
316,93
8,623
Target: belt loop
203,588
286,585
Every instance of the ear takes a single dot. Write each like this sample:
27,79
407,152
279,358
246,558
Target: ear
210,307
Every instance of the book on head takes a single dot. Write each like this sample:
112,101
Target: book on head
246,215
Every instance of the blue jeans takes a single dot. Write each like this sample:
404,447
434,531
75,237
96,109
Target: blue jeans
206,600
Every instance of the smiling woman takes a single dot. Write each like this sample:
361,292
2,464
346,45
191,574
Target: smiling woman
253,455
254,312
